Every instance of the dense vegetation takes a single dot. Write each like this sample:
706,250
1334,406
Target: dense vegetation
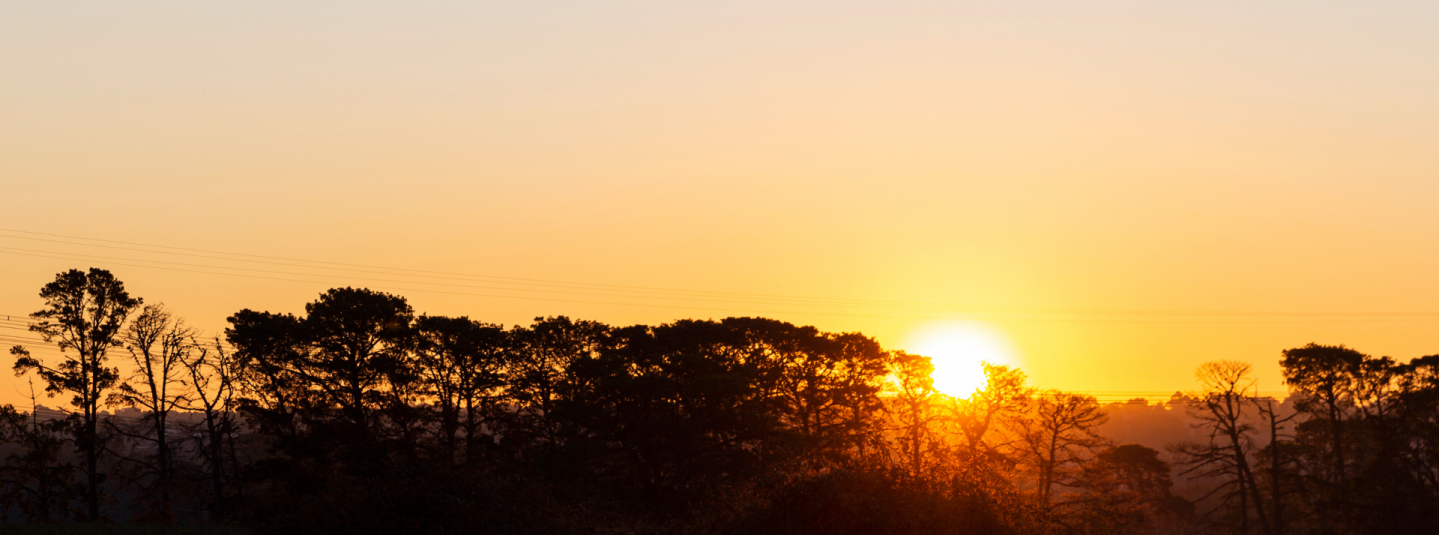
362,417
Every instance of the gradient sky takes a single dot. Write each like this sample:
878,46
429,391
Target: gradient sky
1261,163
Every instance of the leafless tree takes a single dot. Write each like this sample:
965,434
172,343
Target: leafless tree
1221,409
158,344
1269,411
212,373
1058,434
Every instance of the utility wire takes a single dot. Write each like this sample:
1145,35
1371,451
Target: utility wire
460,276
639,291
72,257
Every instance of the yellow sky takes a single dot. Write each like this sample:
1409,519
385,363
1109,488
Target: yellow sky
1004,159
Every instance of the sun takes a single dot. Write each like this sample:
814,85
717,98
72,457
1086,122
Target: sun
958,351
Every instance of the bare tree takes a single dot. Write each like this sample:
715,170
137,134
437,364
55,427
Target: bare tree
212,373
1221,411
1269,411
158,343
1058,435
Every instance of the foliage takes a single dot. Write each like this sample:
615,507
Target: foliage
360,416
84,313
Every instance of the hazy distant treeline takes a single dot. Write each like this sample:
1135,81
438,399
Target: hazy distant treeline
360,416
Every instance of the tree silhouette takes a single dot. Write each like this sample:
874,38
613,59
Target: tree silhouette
1221,410
1364,452
830,386
915,409
1058,435
159,344
1003,398
359,417
463,363
1128,490
35,480
541,373
335,371
84,313
1324,377
681,410
212,374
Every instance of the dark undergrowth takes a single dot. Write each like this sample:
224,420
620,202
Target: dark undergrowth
112,529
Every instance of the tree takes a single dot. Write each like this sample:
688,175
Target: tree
1004,398
1324,376
159,345
830,385
1365,450
212,373
1269,411
359,341
915,411
83,315
540,372
1418,411
275,394
1133,468
1128,491
1058,435
462,362
825,386
1416,415
34,480
1221,411
329,378
678,412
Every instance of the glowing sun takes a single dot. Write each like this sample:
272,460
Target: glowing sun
958,351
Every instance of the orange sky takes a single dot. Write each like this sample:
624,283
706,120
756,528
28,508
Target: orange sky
1044,167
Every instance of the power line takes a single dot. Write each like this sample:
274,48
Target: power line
644,293
458,276
654,293
70,256
204,266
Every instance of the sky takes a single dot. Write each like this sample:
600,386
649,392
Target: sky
1117,191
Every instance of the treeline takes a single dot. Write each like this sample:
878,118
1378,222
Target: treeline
360,416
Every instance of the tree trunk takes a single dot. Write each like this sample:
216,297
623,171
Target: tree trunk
162,454
1047,477
1275,493
217,488
92,465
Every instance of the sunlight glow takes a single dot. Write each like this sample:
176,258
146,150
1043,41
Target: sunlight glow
958,351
